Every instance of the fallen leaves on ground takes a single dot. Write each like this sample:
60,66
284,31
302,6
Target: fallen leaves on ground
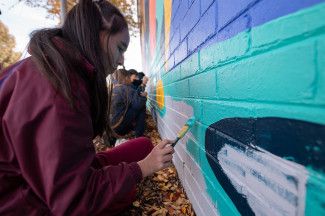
161,193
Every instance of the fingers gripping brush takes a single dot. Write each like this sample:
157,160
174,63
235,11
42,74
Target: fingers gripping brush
190,122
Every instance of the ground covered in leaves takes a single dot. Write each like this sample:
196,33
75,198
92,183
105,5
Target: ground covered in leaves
160,194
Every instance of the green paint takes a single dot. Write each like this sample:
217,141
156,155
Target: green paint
224,52
172,76
197,149
223,203
266,77
285,75
178,89
289,29
214,111
193,148
162,111
159,28
203,85
191,66
190,122
315,202
320,68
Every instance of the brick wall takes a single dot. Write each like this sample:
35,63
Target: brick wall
252,72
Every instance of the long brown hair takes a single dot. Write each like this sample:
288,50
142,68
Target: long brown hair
80,34
122,76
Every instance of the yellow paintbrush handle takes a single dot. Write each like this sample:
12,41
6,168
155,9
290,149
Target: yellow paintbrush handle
183,131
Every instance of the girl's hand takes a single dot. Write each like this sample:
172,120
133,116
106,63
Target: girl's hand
159,158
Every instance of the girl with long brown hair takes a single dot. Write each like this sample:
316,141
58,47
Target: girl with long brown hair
52,105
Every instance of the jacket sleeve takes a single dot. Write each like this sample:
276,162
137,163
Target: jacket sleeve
54,150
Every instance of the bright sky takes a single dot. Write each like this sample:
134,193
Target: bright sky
21,20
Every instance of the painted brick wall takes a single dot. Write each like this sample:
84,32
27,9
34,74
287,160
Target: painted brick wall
252,72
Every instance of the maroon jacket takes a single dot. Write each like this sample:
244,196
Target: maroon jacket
48,164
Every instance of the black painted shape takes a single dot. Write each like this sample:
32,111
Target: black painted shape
303,142
300,141
213,144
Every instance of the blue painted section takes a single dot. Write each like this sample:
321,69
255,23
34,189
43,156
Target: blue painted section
201,33
205,5
175,6
239,25
191,18
175,40
234,18
181,52
178,16
230,10
267,10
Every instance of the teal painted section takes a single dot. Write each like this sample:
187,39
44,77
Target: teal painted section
320,68
287,82
225,52
276,69
259,79
160,27
315,193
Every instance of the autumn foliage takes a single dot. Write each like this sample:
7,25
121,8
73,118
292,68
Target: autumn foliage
127,7
7,45
160,194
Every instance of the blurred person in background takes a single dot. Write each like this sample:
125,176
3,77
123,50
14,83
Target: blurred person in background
128,107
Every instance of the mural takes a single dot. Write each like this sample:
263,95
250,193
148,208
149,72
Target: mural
252,72
266,155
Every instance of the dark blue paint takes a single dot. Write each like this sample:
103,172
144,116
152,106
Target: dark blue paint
213,144
303,142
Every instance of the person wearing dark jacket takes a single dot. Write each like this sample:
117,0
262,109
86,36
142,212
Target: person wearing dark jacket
52,105
139,80
128,107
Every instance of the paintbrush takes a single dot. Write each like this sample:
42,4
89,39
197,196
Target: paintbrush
190,122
